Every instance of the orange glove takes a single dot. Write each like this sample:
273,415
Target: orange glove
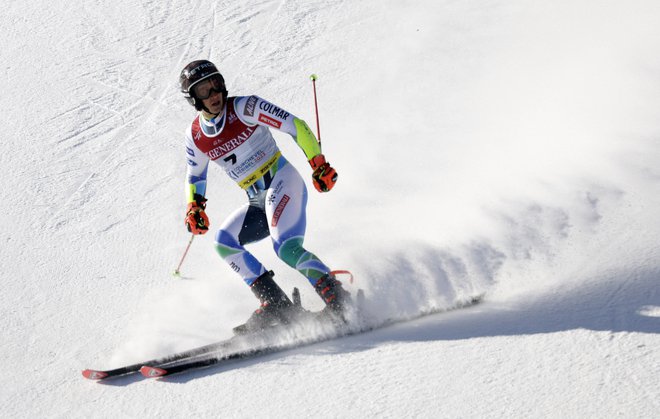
324,175
196,220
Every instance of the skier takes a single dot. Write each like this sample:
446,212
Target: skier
234,133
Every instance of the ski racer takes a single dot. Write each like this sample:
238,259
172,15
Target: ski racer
234,132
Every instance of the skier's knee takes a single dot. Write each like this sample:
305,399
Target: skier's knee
226,244
290,250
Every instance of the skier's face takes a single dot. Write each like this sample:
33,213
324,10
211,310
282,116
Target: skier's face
214,103
210,92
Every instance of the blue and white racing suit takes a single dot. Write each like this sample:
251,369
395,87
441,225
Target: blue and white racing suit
239,140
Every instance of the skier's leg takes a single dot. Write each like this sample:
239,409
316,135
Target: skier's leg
246,225
286,203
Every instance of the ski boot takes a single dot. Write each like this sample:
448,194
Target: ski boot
336,298
276,307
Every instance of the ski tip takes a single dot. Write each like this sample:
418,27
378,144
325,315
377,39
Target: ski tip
152,372
94,375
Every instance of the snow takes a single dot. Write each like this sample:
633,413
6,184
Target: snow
501,147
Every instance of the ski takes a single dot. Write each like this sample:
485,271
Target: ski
221,352
161,371
155,371
97,375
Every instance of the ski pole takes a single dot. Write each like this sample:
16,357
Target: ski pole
176,271
316,106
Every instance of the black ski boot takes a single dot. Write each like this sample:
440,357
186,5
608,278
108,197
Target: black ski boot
276,307
336,298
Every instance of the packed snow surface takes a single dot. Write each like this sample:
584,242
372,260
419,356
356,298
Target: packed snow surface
506,148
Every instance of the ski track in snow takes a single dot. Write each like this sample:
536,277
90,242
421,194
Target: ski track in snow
503,148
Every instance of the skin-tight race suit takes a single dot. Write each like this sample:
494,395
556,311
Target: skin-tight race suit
241,143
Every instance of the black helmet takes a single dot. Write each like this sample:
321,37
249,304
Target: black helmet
192,74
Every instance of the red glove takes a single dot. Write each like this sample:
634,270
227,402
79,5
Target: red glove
196,219
324,175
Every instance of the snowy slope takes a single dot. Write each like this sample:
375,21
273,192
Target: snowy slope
506,147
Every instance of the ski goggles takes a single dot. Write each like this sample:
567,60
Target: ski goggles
205,88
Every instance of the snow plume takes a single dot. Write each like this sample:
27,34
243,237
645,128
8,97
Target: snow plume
530,239
419,279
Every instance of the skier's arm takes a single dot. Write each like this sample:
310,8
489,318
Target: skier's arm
306,139
197,168
196,220
254,110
